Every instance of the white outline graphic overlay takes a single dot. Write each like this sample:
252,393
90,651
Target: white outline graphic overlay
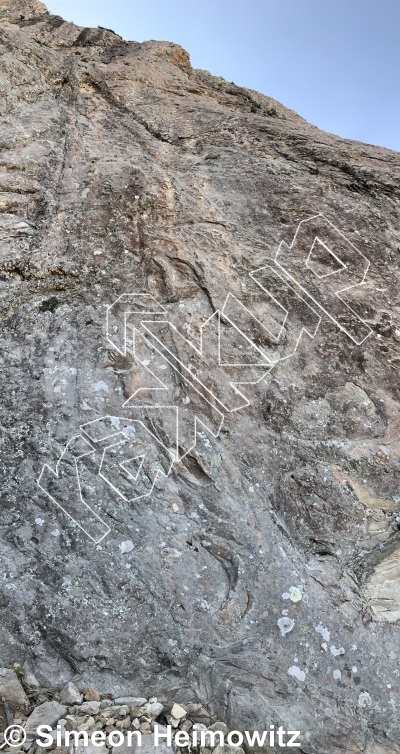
308,280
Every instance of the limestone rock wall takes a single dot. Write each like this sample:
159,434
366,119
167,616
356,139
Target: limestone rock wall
123,170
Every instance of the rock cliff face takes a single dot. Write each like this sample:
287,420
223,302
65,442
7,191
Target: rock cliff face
249,558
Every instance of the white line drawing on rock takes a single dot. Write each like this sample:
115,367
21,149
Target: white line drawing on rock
78,447
306,279
348,275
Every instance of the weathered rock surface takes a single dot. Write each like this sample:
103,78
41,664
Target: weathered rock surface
48,713
122,171
70,694
12,690
78,732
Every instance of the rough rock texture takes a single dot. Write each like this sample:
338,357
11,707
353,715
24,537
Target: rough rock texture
143,723
123,170
12,690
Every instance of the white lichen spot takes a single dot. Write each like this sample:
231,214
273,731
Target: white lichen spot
337,674
364,699
297,673
39,521
85,406
126,546
101,386
320,629
337,652
55,533
354,669
295,594
285,625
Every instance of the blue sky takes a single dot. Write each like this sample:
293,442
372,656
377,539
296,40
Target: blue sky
336,62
